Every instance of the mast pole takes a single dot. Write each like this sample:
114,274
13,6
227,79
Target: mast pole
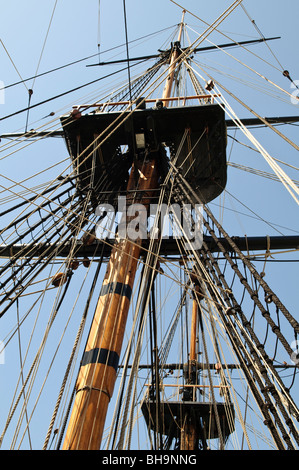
188,438
98,371
173,62
189,434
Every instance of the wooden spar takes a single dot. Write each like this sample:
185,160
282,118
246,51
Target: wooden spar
99,364
98,370
173,65
189,434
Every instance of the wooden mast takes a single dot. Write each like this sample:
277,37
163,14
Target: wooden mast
99,364
189,435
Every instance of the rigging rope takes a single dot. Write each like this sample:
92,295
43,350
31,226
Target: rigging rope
254,298
22,81
66,92
44,44
284,71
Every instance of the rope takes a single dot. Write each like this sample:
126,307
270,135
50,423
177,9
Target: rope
84,218
257,172
72,356
284,178
79,60
33,366
127,46
44,44
66,93
265,286
55,313
252,358
284,71
214,404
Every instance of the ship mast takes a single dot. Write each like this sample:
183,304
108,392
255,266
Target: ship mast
98,371
173,63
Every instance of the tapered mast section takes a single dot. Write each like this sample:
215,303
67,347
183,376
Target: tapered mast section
98,371
173,64
99,364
